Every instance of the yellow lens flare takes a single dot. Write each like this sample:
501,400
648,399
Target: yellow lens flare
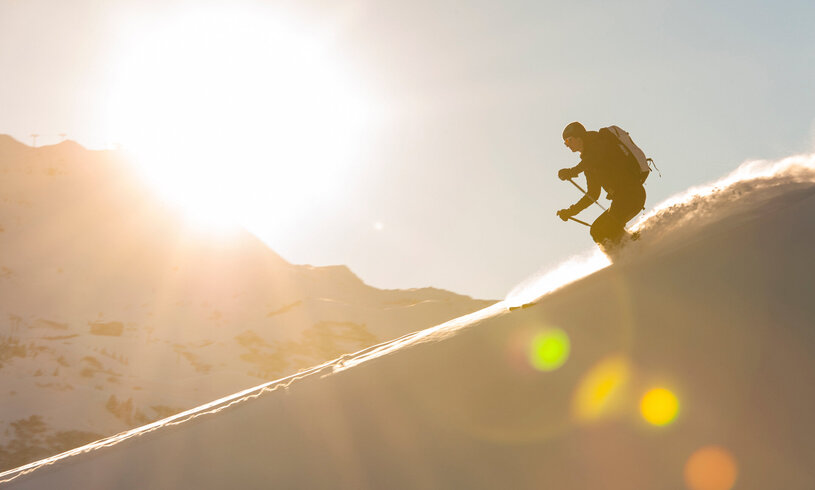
549,349
600,388
711,468
659,406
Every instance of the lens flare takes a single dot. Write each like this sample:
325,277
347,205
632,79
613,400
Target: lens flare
549,349
711,468
659,406
600,388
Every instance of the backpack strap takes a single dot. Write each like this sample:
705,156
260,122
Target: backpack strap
650,163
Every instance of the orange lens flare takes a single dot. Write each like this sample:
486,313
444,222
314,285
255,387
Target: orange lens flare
711,468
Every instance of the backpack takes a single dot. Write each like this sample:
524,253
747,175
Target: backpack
632,151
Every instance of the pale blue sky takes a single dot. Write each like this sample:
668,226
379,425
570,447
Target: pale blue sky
460,171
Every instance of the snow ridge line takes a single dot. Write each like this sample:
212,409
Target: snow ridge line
436,333
212,407
337,365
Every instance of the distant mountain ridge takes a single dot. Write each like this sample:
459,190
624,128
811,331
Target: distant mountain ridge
113,312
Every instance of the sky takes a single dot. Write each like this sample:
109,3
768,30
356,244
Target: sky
416,142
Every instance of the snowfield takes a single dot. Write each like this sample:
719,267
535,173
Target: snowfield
689,364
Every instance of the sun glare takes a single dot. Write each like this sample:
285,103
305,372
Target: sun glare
236,116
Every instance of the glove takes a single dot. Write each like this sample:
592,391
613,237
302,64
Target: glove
565,214
566,174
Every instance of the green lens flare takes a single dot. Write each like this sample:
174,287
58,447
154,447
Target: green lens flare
549,350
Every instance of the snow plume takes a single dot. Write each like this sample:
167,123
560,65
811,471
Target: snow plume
547,281
738,196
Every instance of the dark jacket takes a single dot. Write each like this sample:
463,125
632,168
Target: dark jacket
606,167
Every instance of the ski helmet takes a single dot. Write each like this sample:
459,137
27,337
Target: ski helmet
574,129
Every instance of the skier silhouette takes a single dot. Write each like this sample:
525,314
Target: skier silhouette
606,165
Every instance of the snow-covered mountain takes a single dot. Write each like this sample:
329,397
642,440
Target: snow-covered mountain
113,313
688,363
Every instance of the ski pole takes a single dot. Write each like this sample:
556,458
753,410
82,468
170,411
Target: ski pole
581,222
584,192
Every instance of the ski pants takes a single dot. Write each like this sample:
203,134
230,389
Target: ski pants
609,227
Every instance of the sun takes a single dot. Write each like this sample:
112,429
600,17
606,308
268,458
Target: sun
239,117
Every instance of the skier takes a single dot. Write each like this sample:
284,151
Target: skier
607,166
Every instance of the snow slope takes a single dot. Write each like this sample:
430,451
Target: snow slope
714,304
114,313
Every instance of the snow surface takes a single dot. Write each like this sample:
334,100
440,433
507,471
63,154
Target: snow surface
714,302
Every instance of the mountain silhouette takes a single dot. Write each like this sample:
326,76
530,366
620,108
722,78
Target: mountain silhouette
115,312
